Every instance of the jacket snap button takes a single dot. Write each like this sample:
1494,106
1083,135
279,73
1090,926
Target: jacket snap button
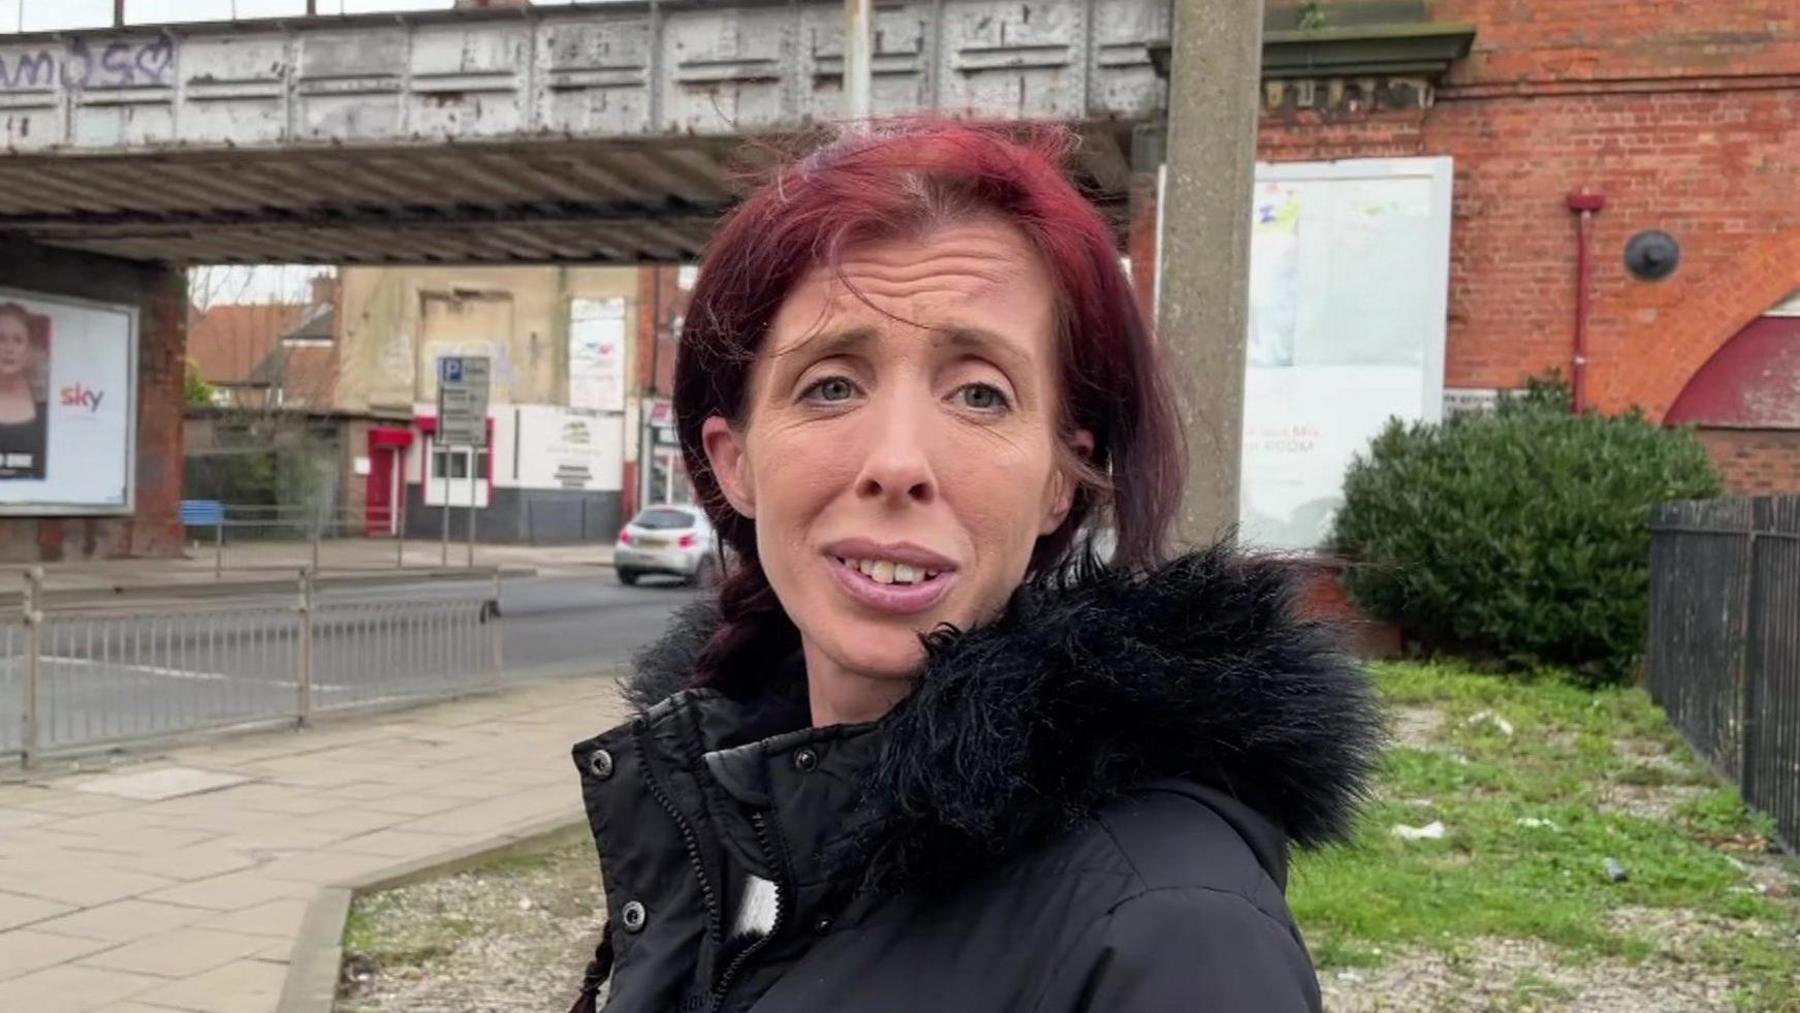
600,764
633,916
822,926
805,760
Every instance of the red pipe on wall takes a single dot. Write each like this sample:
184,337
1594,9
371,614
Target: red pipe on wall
1585,205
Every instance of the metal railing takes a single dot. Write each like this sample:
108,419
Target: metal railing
79,673
242,536
1723,655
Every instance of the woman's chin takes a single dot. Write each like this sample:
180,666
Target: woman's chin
878,651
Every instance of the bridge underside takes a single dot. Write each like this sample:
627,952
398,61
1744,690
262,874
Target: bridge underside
609,201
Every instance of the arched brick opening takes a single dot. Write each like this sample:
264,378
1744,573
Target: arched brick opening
1664,348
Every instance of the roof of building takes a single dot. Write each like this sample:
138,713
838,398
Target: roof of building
228,342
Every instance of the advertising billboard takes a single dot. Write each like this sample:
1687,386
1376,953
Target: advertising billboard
68,405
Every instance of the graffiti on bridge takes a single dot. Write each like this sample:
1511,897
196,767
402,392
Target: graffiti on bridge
84,64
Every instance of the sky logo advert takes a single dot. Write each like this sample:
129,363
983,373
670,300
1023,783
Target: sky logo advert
81,396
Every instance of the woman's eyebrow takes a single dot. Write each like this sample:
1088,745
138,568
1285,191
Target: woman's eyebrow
979,340
824,344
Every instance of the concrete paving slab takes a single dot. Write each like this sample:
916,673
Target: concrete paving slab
232,892
187,864
181,953
160,784
25,950
69,803
277,918
146,840
280,842
70,988
278,799
123,921
325,867
421,804
86,887
242,986
396,843
116,823
353,821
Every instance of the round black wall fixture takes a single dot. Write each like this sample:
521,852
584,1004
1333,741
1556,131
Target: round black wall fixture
1652,255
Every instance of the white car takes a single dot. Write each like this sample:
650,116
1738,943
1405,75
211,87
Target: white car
675,540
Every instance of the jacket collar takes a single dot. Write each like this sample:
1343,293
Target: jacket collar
1090,686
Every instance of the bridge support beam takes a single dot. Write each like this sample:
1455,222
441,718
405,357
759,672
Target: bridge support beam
1203,299
160,294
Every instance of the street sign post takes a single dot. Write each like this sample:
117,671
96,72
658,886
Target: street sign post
462,423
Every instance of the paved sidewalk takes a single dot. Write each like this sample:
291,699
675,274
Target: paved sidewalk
195,902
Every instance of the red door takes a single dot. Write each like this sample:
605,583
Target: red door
384,468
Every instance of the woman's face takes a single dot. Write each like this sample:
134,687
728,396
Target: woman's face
15,346
900,455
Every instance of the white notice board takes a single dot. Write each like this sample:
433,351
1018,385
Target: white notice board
1349,283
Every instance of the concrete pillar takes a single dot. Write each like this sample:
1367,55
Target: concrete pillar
160,294
1215,68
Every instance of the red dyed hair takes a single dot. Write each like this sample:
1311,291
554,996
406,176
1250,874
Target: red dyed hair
902,180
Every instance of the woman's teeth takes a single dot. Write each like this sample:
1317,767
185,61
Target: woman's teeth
883,571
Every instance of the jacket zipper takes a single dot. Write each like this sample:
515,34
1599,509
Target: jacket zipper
689,839
773,851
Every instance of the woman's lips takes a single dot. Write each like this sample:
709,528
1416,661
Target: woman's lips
896,599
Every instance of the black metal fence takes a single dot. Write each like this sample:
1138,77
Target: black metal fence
1723,656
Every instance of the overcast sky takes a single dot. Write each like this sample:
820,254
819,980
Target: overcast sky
41,15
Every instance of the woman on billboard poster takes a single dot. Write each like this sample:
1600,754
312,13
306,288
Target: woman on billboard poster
24,413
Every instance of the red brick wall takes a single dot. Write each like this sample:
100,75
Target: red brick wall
660,300
1756,462
1685,115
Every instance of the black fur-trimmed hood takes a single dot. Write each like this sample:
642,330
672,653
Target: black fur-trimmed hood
1089,687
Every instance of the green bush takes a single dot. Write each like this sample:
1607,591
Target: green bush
1520,537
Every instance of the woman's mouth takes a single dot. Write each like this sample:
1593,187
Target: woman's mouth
886,571
885,585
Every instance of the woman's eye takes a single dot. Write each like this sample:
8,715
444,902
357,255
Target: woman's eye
832,388
983,397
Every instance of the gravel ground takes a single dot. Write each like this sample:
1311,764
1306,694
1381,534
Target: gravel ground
511,938
1517,976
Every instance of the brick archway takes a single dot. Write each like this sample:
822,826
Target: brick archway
1675,341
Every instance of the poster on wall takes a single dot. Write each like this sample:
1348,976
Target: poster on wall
597,354
562,448
68,396
1349,279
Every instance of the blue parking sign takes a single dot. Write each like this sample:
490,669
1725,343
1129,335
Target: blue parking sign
453,369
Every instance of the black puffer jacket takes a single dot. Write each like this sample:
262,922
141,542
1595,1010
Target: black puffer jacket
1084,805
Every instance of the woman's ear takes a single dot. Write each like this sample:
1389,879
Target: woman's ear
730,464
1063,484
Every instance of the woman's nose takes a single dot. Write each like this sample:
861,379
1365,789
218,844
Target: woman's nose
898,465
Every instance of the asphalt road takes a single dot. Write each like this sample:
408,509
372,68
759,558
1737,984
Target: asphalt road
114,676
567,620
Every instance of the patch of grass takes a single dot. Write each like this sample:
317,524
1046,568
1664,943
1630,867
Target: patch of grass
1531,819
1531,991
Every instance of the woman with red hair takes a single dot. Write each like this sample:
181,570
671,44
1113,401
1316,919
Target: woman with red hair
925,749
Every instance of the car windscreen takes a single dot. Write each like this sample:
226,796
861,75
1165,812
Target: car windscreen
664,519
